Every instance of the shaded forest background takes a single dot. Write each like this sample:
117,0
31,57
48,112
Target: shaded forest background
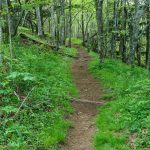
122,31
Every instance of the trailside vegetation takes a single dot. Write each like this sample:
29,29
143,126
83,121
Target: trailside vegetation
35,97
123,122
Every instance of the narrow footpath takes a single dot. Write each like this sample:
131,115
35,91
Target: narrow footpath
81,134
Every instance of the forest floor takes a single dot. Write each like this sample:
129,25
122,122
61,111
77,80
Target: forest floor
81,134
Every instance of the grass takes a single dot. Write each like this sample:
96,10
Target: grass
123,123
75,41
41,123
68,51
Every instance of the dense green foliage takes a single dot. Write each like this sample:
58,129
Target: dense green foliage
123,123
35,80
45,77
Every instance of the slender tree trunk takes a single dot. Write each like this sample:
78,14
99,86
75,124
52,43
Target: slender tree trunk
1,32
49,24
1,35
78,30
113,43
10,36
123,37
39,21
18,22
82,20
24,18
99,18
53,27
148,35
12,17
31,24
57,27
63,22
107,28
136,20
70,22
135,34
138,54
147,32
88,42
86,30
59,24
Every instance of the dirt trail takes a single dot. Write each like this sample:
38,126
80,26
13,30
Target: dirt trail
81,135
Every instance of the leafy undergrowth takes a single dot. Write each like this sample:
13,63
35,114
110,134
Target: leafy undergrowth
42,82
123,123
75,41
68,51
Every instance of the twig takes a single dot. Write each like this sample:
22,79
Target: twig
23,102
15,93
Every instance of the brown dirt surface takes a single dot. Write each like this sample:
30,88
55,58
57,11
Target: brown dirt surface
81,134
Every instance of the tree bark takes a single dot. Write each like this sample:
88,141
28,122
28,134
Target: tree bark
53,27
1,32
99,18
63,22
113,43
147,32
82,22
10,35
70,22
148,36
39,21
136,20
123,36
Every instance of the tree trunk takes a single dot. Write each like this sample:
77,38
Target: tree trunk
136,20
70,22
10,35
148,36
63,22
113,43
148,33
57,27
99,18
1,32
138,54
107,29
53,27
82,20
123,37
39,21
